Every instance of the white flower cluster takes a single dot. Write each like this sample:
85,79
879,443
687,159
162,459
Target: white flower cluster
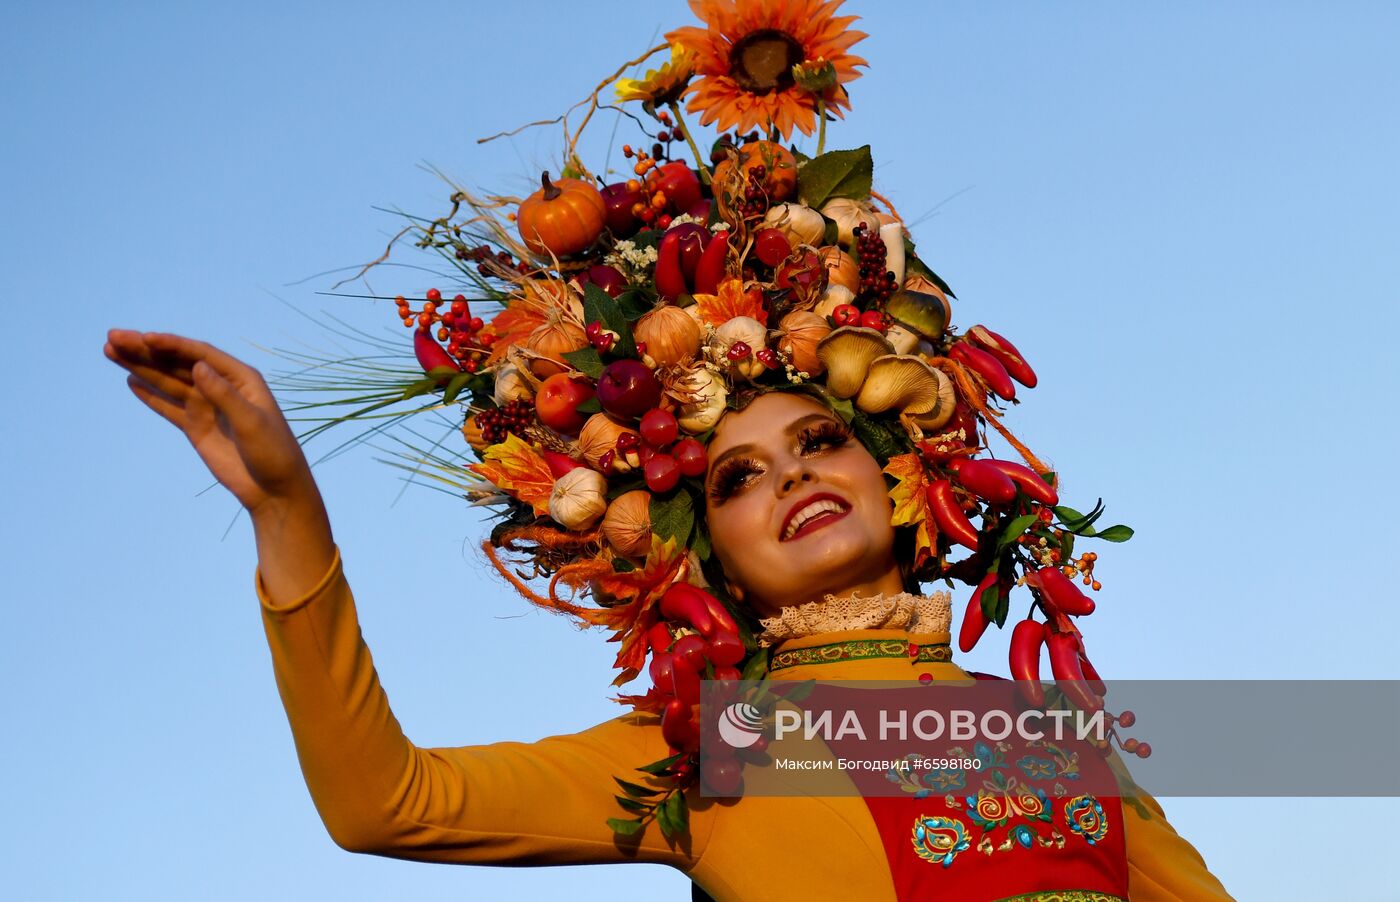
632,261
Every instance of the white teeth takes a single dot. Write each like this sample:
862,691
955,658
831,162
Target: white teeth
807,513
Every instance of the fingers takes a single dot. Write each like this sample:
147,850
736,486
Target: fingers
176,385
242,414
158,401
187,349
129,349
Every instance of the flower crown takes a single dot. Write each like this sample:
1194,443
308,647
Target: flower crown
603,329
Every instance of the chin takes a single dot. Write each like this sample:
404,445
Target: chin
830,559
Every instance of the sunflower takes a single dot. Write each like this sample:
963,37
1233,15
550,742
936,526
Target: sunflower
745,58
660,86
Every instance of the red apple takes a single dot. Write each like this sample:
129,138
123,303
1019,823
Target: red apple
627,389
618,202
605,277
558,401
678,182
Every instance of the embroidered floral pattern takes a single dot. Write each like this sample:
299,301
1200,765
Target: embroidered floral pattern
860,649
1084,814
939,839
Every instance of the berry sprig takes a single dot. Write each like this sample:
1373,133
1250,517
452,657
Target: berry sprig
500,265
876,282
652,210
514,417
467,341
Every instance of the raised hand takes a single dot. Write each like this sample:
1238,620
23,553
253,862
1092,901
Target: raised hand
228,414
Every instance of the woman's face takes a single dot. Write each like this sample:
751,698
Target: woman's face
797,507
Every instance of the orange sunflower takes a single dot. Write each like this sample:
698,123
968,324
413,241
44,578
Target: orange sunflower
745,58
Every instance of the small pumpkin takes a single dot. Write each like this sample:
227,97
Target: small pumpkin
780,169
561,218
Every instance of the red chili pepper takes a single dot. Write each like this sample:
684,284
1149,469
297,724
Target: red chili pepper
431,356
1026,640
1096,682
710,272
1028,481
986,366
949,516
678,726
727,673
1005,352
1061,592
1069,676
559,464
669,276
975,622
686,603
723,619
984,480
660,670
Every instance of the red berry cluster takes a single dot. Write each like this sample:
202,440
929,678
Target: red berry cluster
503,261
876,282
755,193
515,417
466,341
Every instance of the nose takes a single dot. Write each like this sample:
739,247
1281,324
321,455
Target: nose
794,473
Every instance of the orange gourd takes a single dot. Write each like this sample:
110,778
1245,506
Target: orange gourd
780,177
561,218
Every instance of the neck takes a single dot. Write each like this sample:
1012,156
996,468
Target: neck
888,581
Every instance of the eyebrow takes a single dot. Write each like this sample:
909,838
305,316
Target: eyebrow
794,428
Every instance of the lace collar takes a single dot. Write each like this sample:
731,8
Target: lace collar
904,611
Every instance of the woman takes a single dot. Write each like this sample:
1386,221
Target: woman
543,803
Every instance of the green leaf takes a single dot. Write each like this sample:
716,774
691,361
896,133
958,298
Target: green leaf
634,790
1014,530
664,764
1067,545
700,542
800,691
454,388
757,666
636,301
1077,523
839,173
914,266
586,361
875,437
599,305
843,407
632,805
1119,533
626,828
421,387
592,405
672,516
666,817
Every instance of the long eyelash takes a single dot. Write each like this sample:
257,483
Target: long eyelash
730,477
828,433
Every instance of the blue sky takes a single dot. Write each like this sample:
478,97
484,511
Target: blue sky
1185,215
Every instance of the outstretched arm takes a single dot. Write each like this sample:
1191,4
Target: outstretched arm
508,803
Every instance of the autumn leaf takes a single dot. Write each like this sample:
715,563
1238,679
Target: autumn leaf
519,470
635,595
911,508
539,303
731,301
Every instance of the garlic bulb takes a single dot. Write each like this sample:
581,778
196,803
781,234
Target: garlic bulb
801,224
627,524
579,498
740,328
599,436
511,385
702,396
802,329
671,334
847,214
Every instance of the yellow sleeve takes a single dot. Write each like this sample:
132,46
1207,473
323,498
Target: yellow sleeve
1163,867
506,803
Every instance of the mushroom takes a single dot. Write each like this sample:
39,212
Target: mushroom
942,411
923,396
847,354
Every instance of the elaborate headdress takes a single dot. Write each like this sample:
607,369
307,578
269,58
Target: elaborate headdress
600,330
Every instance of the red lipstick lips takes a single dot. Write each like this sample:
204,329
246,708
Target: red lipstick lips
812,513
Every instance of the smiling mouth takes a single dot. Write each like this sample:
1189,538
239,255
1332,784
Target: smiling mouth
813,515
